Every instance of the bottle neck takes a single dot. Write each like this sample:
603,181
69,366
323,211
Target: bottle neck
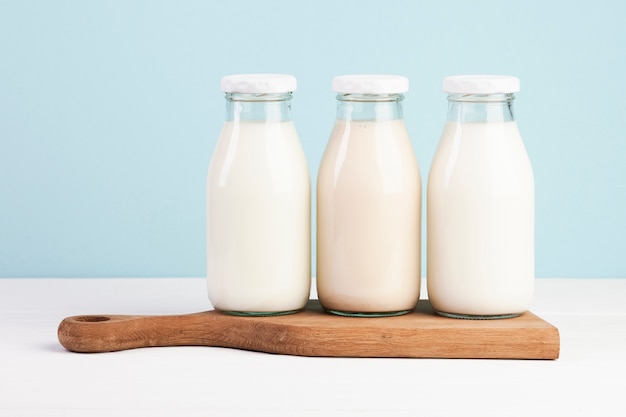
258,107
372,107
475,108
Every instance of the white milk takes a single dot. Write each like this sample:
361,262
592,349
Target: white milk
368,219
481,221
258,226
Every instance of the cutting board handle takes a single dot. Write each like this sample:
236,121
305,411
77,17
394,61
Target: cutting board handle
108,333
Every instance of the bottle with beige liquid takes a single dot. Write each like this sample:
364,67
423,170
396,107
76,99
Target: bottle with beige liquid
368,203
480,205
258,202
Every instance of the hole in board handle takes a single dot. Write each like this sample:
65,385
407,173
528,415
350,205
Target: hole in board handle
92,319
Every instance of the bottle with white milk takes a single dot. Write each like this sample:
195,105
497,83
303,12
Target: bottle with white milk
258,202
480,205
368,203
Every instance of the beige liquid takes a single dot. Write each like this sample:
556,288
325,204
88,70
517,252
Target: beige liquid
481,221
258,224
368,219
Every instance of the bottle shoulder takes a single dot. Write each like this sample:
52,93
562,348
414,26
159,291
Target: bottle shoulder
369,154
255,152
471,155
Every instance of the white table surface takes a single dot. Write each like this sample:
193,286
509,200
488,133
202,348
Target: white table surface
39,377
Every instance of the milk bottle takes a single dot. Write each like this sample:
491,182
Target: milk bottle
368,203
480,205
258,202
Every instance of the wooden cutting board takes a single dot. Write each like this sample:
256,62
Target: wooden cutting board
312,332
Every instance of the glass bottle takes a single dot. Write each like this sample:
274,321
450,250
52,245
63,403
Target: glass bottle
258,202
480,205
368,203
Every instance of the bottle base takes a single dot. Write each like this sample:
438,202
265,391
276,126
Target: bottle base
478,316
259,313
367,314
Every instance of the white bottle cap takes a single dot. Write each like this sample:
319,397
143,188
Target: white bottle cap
481,84
258,83
370,84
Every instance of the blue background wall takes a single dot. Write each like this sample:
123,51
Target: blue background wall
109,112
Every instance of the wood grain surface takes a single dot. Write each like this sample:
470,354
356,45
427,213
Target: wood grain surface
313,332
